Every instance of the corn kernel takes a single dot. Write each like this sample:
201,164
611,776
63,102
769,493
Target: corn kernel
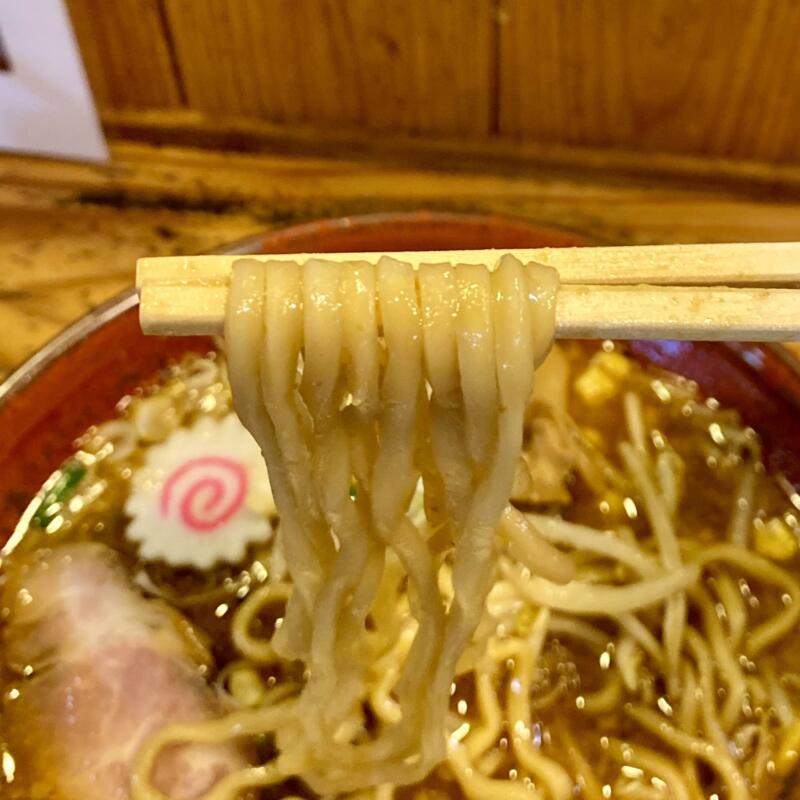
595,386
775,539
613,363
598,383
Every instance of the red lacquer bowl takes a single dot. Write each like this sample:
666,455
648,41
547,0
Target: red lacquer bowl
77,379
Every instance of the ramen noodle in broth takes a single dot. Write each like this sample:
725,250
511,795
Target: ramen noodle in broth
627,627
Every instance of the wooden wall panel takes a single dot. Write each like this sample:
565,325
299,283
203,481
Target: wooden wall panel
404,65
691,77
126,52
716,77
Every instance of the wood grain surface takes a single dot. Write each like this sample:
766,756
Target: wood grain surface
709,78
126,52
378,65
717,77
70,233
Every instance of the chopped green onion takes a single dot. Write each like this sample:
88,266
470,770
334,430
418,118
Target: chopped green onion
72,473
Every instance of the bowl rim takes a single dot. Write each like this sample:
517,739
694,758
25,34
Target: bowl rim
51,351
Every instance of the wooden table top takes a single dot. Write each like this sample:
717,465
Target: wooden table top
70,233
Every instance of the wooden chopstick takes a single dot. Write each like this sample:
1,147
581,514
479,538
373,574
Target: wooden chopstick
717,314
748,264
708,291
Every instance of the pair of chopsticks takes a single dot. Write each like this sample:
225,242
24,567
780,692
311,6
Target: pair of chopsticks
697,292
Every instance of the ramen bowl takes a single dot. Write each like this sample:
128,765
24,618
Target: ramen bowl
166,490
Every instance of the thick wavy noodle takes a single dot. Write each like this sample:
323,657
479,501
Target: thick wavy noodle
358,383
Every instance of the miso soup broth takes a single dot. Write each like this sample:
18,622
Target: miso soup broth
143,584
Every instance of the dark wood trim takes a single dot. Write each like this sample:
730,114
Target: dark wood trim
183,127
